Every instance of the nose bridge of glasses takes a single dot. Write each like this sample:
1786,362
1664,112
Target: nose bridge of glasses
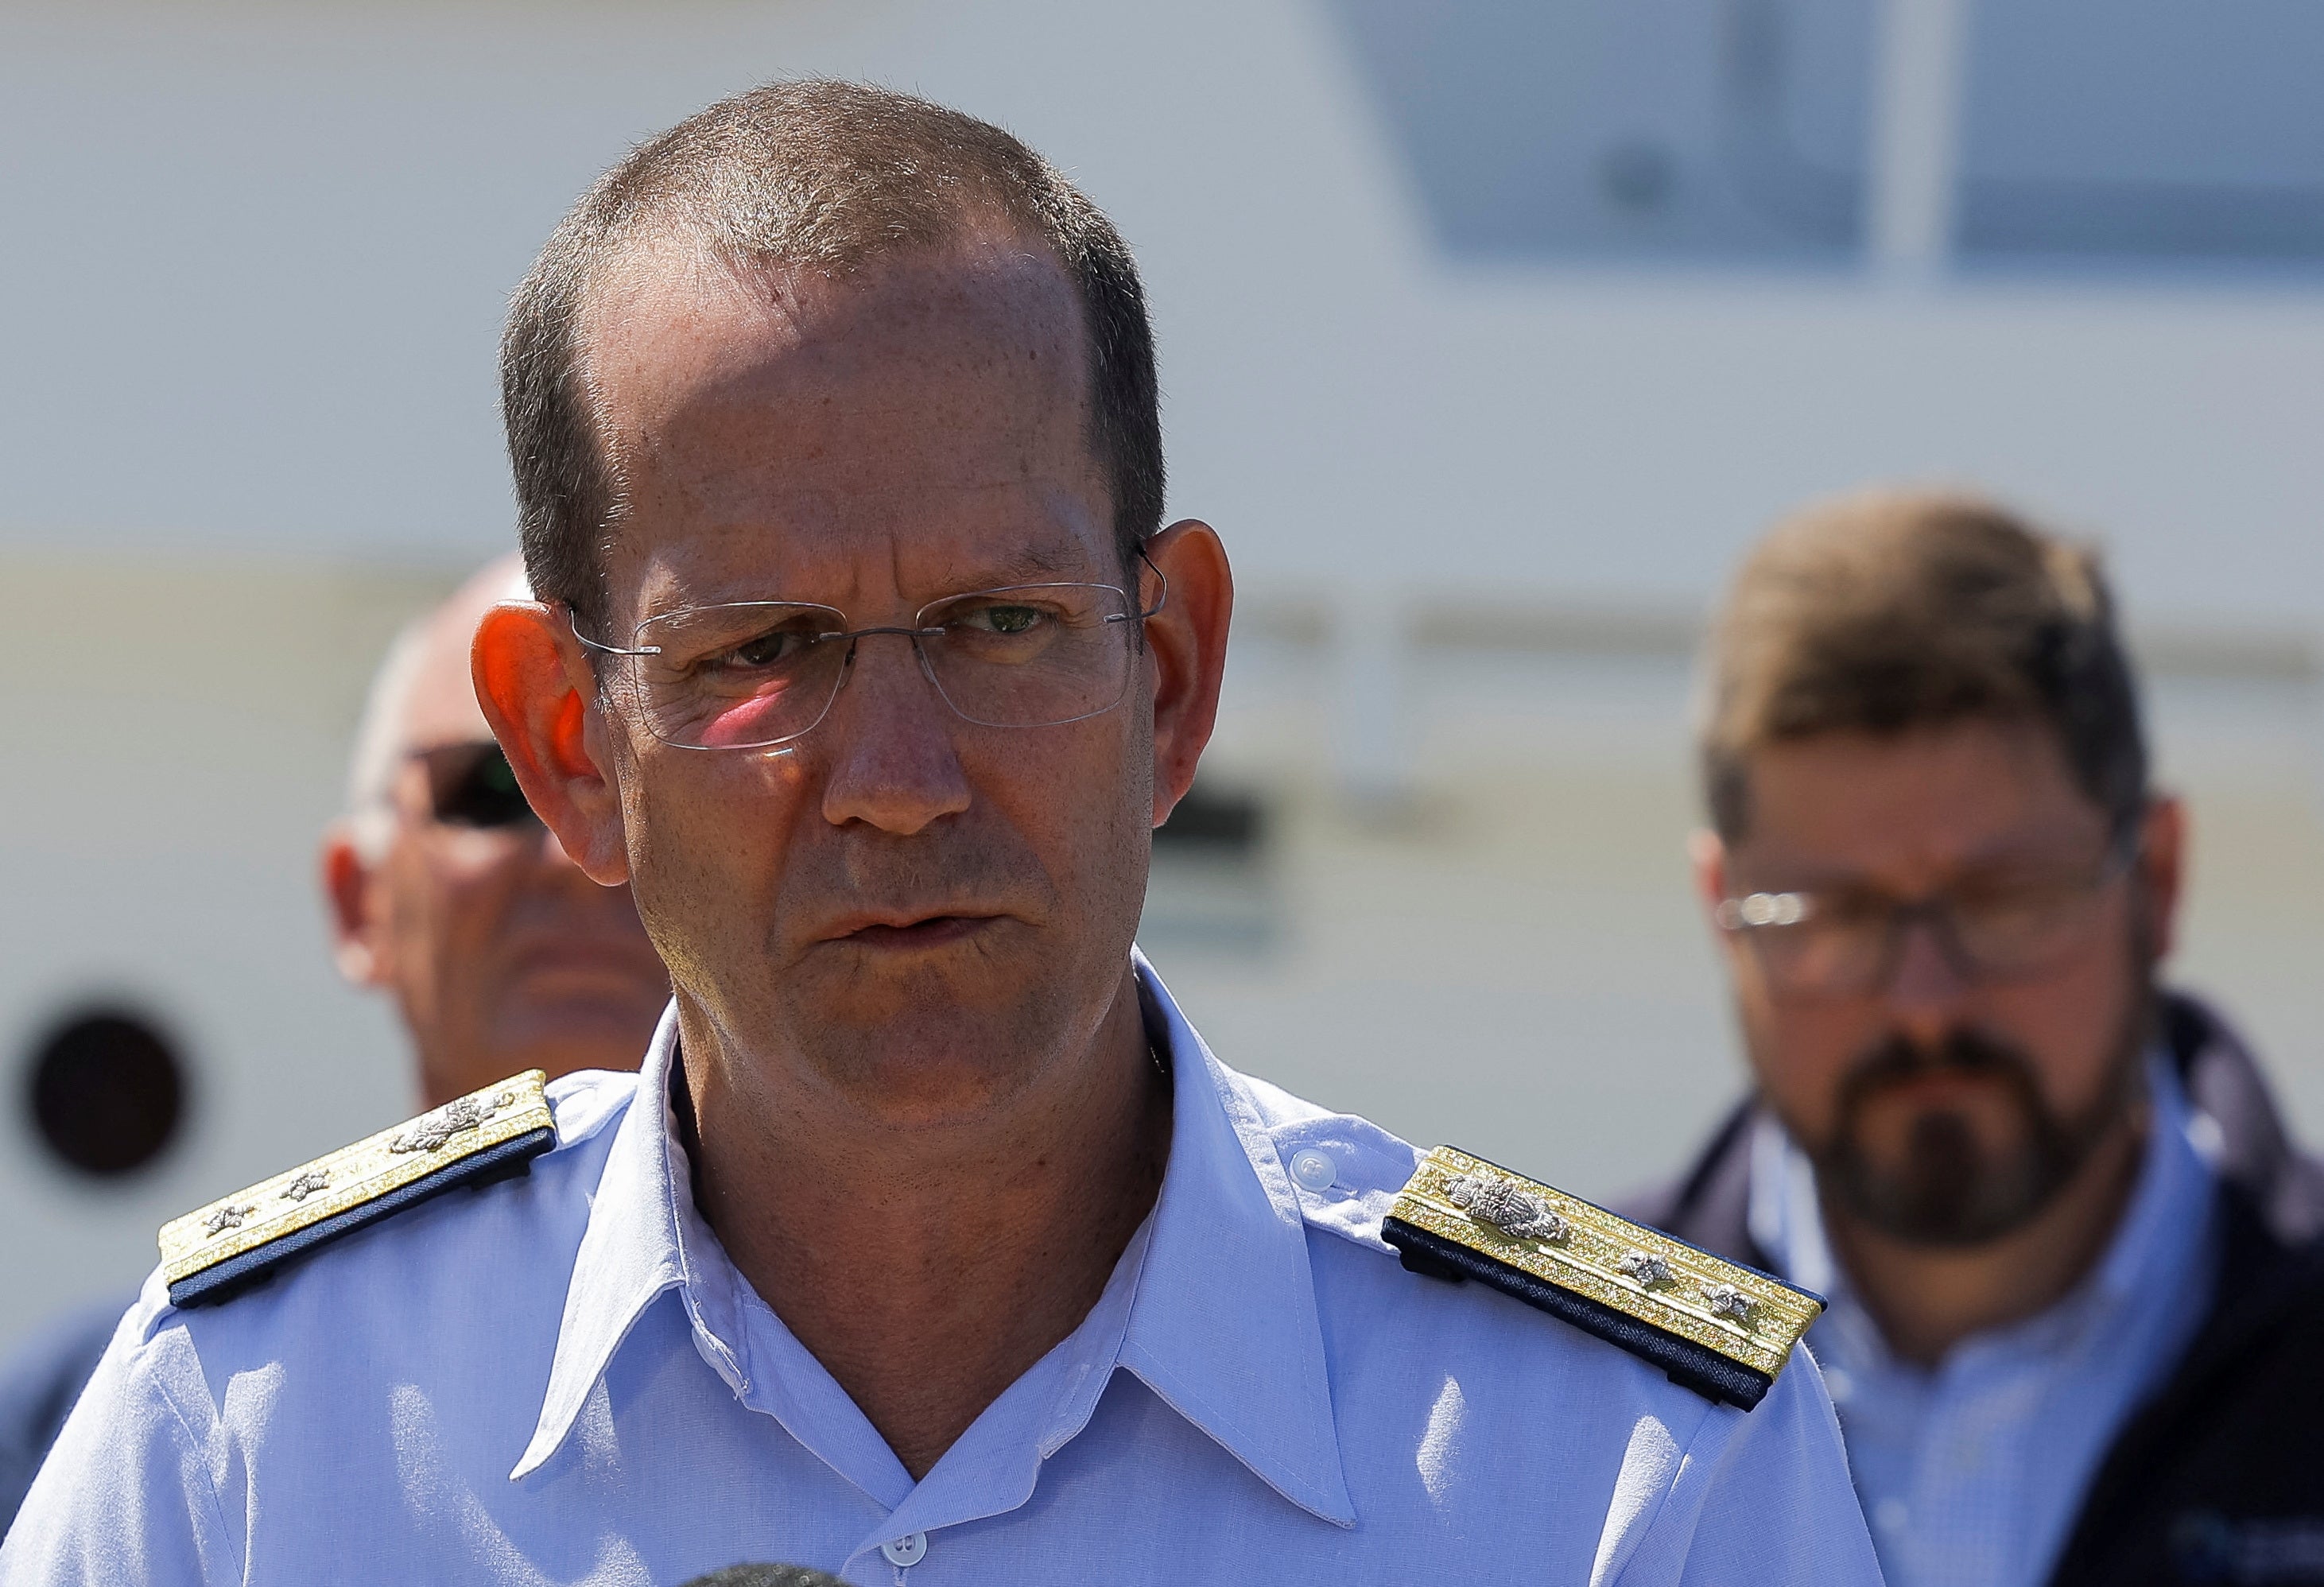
921,660
1923,958
915,632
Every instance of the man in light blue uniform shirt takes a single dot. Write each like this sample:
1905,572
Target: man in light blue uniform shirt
931,1245
567,1380
2070,1255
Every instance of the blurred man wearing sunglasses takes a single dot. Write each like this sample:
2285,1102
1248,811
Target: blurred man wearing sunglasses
2075,1290
930,1245
446,891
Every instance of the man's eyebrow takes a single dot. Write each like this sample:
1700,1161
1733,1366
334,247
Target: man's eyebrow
1032,564
2010,854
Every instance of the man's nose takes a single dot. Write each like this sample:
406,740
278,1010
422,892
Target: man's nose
888,743
1926,986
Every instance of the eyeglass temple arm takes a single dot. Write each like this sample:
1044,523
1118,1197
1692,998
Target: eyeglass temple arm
603,649
1160,600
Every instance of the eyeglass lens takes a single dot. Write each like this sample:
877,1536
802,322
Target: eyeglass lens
1852,947
753,674
472,785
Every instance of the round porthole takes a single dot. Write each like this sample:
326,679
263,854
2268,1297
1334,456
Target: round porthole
106,1089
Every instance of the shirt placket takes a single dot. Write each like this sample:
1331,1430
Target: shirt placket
996,1466
1965,1519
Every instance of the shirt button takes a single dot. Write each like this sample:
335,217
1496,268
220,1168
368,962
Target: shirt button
1890,1514
1314,1169
905,1551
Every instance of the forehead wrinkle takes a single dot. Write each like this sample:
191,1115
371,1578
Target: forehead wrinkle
1032,563
1026,563
810,549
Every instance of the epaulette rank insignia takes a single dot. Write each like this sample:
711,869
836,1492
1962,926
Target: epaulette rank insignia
1722,1330
489,1134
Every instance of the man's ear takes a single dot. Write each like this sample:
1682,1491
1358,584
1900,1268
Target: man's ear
358,945
539,694
1706,857
1188,640
2162,869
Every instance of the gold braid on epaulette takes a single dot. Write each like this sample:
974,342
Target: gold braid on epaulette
213,1251
1721,1329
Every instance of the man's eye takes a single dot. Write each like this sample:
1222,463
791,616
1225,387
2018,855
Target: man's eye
1855,913
767,650
2016,902
1003,620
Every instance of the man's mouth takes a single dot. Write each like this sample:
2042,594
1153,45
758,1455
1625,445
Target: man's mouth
1936,1087
929,931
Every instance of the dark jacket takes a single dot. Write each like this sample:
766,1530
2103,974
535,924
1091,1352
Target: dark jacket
2219,1477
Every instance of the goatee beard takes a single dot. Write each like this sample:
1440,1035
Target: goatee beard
1951,1189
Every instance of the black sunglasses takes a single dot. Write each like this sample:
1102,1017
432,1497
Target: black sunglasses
471,785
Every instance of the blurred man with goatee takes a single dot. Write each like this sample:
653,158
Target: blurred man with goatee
2071,1253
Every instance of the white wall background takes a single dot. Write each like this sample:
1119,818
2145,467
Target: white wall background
259,253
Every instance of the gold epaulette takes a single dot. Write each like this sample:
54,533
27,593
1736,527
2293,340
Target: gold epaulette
1715,1327
214,1250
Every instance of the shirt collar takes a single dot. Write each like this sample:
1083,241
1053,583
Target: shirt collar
643,1237
2159,1231
1220,1302
2168,1209
1224,1327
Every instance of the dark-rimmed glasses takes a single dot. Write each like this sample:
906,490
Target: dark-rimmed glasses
750,675
1846,942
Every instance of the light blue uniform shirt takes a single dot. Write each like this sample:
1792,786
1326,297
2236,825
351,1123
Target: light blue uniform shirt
563,1378
1972,1473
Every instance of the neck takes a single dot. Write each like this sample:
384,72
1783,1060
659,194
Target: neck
1927,1299
928,1270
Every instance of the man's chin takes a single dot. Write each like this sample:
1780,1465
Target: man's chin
1948,1192
930,1047
1902,1140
